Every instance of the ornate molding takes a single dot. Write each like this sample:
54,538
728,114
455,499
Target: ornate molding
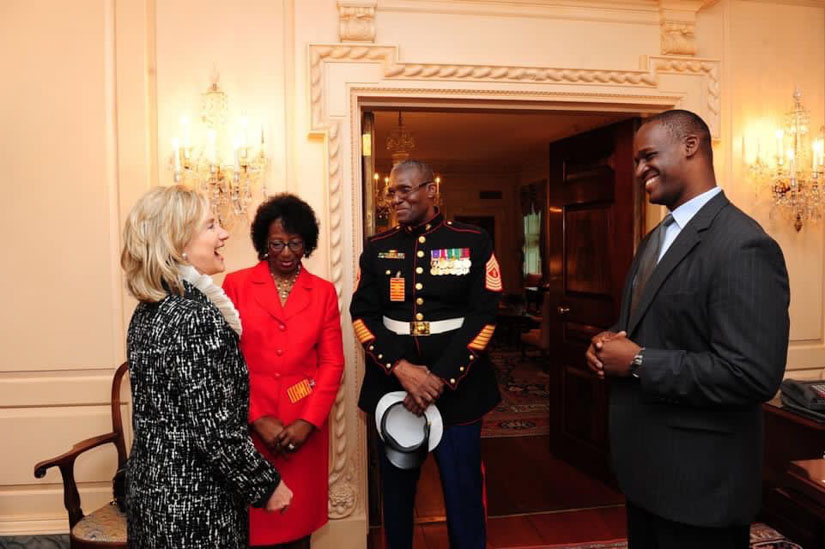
342,493
678,21
624,11
678,38
356,20
709,69
394,69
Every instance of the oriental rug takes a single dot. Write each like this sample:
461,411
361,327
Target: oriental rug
524,408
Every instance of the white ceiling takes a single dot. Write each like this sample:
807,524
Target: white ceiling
452,141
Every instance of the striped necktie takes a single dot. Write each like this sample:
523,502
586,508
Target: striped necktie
648,261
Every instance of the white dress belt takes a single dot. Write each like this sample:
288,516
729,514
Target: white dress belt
423,327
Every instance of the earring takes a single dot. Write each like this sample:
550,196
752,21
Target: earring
185,257
266,255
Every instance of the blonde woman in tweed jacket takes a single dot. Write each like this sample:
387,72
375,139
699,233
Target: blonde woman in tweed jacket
193,469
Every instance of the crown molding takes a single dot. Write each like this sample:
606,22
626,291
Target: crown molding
615,11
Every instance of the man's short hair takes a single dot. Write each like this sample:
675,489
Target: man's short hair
682,123
424,169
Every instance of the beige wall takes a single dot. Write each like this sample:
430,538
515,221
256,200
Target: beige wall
62,335
769,48
90,103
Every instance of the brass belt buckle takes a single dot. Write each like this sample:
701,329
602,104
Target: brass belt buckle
419,328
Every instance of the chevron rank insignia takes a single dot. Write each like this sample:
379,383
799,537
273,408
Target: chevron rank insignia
492,280
362,332
479,343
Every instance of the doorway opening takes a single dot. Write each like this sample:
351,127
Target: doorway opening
554,190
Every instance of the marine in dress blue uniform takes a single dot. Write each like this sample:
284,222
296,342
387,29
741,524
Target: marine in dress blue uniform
424,309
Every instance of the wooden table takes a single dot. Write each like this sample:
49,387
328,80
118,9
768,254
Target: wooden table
791,440
804,483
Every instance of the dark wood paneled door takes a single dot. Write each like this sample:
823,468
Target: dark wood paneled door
594,223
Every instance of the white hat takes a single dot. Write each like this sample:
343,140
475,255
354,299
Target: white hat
407,437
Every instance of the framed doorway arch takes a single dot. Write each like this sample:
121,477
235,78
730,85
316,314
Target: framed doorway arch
345,78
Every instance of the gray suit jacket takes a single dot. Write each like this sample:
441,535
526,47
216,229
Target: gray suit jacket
686,438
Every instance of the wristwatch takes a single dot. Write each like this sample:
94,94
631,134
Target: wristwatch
637,363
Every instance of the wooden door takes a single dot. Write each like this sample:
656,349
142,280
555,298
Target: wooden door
594,224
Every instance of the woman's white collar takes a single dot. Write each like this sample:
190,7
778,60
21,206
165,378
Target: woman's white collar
215,294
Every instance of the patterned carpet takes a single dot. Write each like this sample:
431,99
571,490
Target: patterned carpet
524,408
762,537
34,542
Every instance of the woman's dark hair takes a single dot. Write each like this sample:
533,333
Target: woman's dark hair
296,217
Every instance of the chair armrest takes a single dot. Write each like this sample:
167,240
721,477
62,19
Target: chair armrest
71,498
69,457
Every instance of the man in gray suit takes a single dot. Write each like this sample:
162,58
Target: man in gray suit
701,342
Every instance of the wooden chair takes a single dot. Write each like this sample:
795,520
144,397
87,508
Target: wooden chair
105,527
538,338
533,292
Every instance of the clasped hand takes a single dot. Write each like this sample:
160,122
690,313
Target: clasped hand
423,388
282,439
611,354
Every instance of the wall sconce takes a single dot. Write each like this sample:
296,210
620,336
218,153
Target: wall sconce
795,176
224,170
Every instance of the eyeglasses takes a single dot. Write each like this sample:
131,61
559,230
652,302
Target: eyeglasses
295,246
404,192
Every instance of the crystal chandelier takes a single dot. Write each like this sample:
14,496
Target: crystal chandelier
226,171
796,177
400,142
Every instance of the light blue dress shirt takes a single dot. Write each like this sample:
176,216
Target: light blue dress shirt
683,214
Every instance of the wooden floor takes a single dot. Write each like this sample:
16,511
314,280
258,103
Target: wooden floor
532,530
533,499
522,477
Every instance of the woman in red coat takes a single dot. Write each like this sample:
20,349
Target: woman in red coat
292,345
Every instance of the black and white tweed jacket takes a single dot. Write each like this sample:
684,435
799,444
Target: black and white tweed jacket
193,469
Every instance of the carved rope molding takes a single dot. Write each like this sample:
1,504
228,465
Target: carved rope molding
706,67
394,69
342,493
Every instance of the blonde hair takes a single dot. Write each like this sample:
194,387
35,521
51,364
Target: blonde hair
157,229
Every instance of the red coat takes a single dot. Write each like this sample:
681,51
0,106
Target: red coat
284,346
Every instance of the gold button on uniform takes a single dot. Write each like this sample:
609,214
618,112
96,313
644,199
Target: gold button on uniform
428,227
418,285
420,253
389,365
419,301
419,270
452,381
387,272
419,316
380,356
372,347
422,239
461,368
471,357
